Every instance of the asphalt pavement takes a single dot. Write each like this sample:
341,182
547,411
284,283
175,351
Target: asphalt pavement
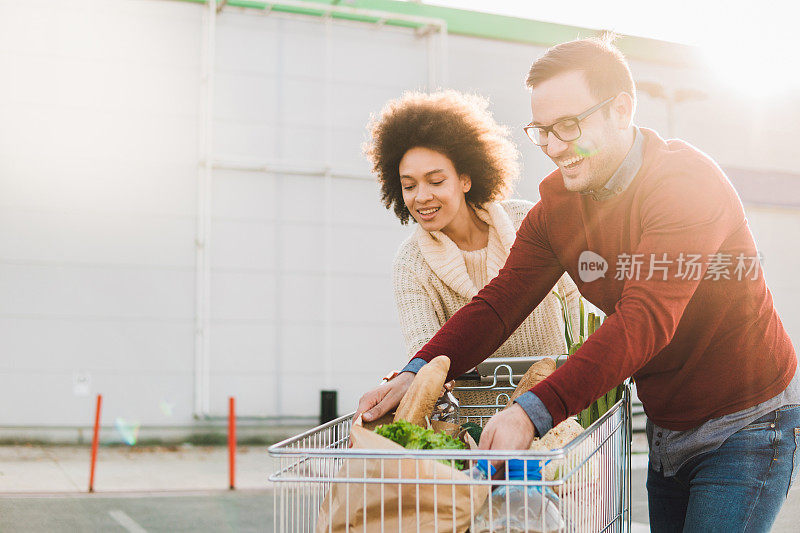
235,511
44,489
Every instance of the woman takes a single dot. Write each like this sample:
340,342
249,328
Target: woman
443,161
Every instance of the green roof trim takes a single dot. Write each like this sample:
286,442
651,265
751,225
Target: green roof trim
486,26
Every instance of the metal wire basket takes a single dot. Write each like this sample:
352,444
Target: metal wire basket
584,486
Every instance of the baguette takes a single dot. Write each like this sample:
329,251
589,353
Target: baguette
420,398
536,373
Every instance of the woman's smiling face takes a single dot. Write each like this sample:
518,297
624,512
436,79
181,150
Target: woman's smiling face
432,189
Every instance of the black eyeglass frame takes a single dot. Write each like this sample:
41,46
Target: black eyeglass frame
549,129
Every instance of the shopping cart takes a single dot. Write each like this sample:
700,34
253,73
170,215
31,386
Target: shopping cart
584,486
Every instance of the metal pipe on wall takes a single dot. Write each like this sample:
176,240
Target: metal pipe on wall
437,56
202,322
327,333
284,168
443,54
277,303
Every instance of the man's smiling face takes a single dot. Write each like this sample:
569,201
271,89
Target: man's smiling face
587,163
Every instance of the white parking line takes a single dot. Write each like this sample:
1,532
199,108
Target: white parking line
126,521
638,527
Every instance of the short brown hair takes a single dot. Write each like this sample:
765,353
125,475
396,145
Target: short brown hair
454,124
605,68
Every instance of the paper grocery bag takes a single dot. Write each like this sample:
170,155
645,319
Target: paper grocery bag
392,506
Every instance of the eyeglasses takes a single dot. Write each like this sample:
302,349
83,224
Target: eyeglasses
566,130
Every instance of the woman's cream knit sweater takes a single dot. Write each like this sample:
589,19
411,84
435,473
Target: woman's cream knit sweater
432,282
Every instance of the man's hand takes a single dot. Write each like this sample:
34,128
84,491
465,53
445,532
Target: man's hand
383,398
510,429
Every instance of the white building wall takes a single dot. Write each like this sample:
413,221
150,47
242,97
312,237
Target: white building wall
98,159
98,196
269,310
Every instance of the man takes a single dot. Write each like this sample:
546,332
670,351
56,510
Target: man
688,312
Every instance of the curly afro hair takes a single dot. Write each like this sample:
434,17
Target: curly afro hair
454,124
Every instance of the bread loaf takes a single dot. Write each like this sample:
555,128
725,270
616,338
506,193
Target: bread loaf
536,373
420,398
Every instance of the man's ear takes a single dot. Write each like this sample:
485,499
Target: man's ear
622,109
466,183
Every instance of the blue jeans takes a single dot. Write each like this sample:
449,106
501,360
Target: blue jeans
741,486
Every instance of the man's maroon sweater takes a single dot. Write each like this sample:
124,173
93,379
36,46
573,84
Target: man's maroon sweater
698,348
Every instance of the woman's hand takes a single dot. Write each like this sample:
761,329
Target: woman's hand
383,398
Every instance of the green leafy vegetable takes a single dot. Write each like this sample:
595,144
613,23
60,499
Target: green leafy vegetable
474,430
414,437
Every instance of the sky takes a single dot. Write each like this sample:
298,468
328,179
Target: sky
695,22
731,34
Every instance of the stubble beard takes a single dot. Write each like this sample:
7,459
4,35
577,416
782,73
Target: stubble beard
584,182
577,184
592,178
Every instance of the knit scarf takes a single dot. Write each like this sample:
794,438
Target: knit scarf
446,260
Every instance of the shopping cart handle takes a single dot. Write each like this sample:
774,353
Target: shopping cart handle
517,365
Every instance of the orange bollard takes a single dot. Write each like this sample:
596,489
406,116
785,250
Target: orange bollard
232,443
95,440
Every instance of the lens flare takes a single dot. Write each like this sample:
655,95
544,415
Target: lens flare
129,431
583,152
